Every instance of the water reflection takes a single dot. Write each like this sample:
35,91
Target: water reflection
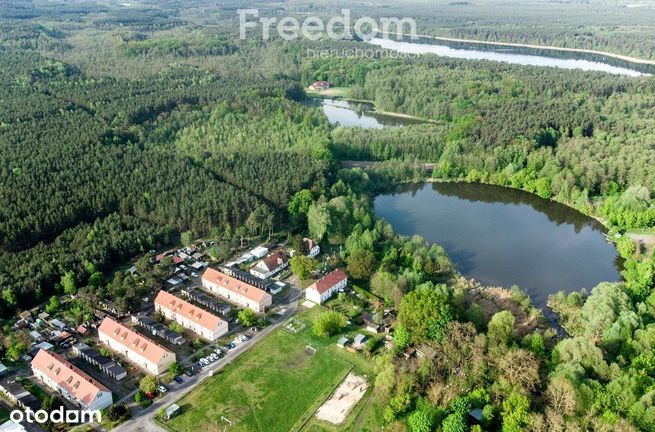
505,237
350,114
517,55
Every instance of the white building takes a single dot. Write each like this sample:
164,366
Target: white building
70,382
236,291
138,349
324,288
312,248
272,264
191,317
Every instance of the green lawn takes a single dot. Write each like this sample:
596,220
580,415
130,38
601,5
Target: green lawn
273,387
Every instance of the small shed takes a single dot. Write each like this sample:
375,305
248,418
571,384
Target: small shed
172,411
57,324
342,342
359,340
476,414
36,336
372,327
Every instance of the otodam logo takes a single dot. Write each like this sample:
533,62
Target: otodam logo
59,415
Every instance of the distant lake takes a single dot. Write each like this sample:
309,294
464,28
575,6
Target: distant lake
505,237
517,55
350,114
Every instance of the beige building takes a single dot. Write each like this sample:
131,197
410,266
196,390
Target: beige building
70,382
236,291
139,350
191,317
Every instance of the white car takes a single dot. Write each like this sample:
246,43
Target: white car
162,389
194,274
204,361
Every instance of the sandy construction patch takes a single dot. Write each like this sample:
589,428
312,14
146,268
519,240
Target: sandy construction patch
350,391
308,304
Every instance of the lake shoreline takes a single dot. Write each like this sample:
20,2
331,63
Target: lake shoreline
621,57
473,221
313,94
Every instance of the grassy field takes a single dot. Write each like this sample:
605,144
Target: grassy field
276,386
331,92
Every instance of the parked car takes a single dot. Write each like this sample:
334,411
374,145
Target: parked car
189,372
162,389
194,274
178,379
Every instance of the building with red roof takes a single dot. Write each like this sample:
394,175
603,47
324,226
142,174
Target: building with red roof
235,290
191,317
138,349
70,382
325,287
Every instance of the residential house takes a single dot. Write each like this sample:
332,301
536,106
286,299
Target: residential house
138,349
325,287
191,317
320,85
105,364
236,291
158,329
312,248
269,266
70,382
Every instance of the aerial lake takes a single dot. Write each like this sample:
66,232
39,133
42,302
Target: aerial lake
504,237
361,114
517,55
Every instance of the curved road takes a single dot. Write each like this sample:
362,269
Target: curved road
143,419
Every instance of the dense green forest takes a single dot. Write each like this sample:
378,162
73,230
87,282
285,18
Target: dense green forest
121,128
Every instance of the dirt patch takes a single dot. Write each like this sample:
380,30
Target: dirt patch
308,304
496,299
645,242
336,408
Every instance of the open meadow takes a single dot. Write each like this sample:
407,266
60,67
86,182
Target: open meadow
276,386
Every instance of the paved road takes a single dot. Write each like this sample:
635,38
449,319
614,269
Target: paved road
142,419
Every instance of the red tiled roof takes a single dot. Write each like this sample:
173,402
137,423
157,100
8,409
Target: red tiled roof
328,281
234,285
76,382
273,261
188,310
132,340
